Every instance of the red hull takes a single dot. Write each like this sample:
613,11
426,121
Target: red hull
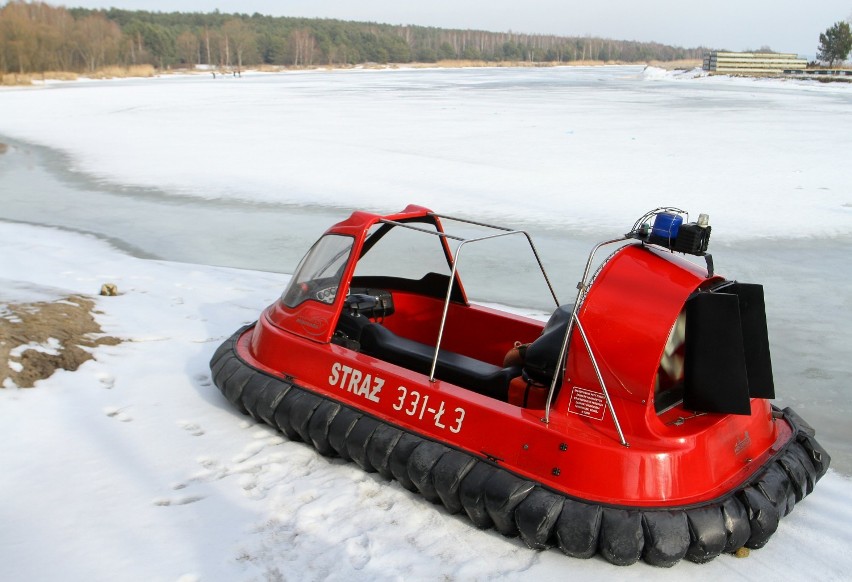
577,455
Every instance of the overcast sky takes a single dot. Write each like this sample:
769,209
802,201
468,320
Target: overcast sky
783,25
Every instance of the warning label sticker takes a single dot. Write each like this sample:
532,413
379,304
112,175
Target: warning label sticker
588,403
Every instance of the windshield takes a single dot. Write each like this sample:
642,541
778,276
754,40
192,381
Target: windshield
319,273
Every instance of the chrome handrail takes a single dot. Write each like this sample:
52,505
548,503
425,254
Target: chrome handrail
582,288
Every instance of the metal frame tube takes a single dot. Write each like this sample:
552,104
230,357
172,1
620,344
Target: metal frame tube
603,385
456,256
582,287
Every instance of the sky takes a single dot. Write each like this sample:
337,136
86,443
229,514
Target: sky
783,25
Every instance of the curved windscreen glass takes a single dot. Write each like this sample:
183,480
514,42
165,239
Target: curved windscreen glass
319,273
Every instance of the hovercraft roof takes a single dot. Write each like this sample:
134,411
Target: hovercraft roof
360,221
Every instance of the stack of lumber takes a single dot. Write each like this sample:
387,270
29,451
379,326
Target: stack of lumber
752,63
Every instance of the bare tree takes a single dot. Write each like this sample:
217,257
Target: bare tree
189,48
97,41
207,44
18,38
239,37
304,44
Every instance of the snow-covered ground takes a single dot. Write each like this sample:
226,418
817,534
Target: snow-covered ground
135,467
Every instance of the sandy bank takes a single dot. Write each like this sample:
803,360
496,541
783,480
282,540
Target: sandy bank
38,338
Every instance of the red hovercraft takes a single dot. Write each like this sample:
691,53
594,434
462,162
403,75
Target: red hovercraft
636,425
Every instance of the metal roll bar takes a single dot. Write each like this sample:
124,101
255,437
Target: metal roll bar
456,256
582,288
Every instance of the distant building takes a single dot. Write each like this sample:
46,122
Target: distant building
753,63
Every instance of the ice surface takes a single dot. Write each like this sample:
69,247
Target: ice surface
559,146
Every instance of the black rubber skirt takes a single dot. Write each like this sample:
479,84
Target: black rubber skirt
491,496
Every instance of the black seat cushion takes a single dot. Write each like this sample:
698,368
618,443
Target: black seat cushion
352,325
540,360
482,377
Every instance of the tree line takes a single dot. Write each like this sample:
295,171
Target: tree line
37,37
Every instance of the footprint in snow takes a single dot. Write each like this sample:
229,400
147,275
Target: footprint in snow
250,485
249,451
165,502
191,427
208,463
203,379
106,380
358,552
117,413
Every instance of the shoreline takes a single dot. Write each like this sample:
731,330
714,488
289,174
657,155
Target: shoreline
148,71
676,69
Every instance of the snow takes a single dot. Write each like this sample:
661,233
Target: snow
50,347
135,467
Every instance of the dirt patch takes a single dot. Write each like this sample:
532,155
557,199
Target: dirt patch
36,339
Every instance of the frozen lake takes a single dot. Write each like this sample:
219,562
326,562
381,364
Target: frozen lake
247,172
